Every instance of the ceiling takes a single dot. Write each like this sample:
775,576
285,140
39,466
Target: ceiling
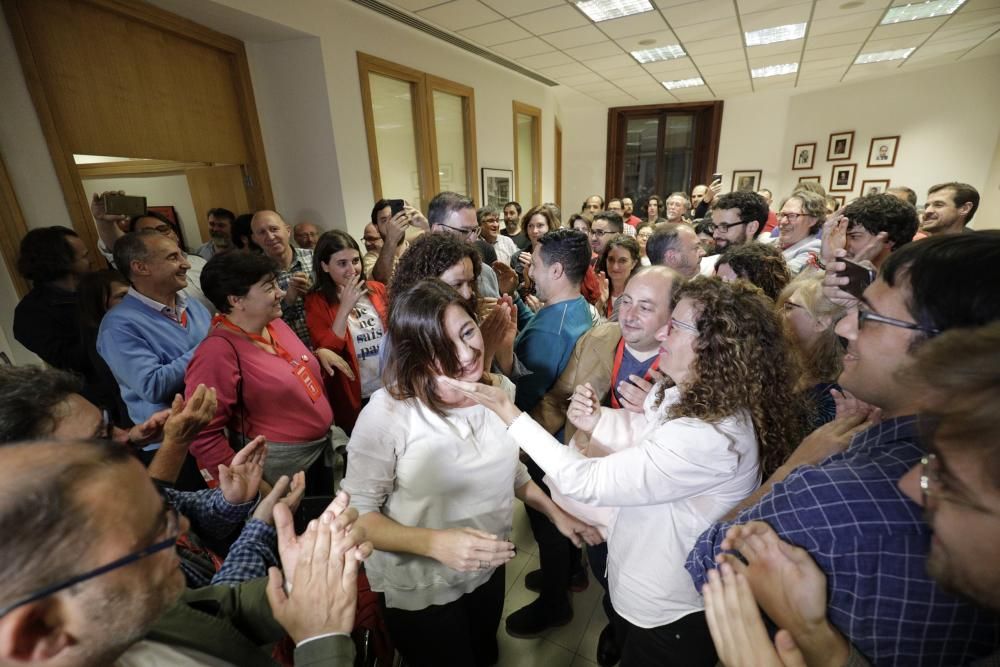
559,42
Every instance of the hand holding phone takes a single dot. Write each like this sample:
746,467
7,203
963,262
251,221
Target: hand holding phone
860,278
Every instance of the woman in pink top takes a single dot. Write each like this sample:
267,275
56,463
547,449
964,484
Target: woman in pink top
267,381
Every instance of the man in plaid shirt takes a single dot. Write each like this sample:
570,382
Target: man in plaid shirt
295,268
847,511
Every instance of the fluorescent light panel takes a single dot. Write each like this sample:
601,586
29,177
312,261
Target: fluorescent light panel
774,70
604,10
882,56
659,53
781,33
683,83
921,10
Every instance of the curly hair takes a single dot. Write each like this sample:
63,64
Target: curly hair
824,360
750,204
733,371
884,213
429,256
763,265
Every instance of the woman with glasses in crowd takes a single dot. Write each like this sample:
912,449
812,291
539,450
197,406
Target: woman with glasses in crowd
434,476
699,448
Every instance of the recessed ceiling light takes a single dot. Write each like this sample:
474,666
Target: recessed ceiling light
604,10
659,53
683,83
781,33
921,10
774,70
882,56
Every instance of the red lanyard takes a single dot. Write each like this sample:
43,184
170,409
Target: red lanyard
299,369
619,353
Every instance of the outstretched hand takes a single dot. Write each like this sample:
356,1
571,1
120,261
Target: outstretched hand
240,480
494,398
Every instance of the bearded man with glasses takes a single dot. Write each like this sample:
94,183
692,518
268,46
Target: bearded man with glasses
846,510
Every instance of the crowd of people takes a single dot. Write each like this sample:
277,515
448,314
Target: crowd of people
767,434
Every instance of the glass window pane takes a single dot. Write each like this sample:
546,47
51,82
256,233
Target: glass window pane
639,161
395,137
525,160
449,126
678,153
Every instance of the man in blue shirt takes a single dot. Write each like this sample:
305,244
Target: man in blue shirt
847,511
544,347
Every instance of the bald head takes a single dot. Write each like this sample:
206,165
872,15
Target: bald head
646,306
270,231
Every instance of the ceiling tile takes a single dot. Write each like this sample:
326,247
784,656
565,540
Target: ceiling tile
666,4
460,14
675,69
775,17
822,67
570,69
567,39
636,24
891,44
824,63
856,38
830,52
546,60
728,77
594,51
990,47
523,47
793,47
600,87
833,8
634,81
699,12
908,29
752,6
415,5
610,62
709,29
634,70
661,38
497,32
711,45
574,79
842,23
976,5
715,57
516,7
724,68
552,20
772,60
949,34
974,18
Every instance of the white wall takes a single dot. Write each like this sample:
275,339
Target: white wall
166,190
585,143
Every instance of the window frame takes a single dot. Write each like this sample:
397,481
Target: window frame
520,108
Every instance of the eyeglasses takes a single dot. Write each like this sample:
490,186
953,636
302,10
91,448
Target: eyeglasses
464,231
683,326
726,226
789,306
933,486
791,217
600,233
871,316
172,529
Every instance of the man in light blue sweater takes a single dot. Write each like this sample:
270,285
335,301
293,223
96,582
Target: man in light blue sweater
545,346
148,339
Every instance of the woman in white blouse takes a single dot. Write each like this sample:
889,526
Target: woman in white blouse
697,450
434,476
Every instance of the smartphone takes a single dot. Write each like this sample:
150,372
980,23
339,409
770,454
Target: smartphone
860,278
125,205
717,176
396,206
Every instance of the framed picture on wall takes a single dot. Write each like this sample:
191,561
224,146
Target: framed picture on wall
498,186
874,187
840,147
803,156
840,199
746,180
810,179
882,152
842,177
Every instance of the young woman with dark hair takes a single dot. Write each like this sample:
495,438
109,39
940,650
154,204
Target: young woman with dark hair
618,262
434,476
347,314
698,449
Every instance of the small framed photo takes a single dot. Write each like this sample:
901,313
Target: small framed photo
746,180
803,156
840,147
497,186
840,199
882,152
874,187
810,179
842,177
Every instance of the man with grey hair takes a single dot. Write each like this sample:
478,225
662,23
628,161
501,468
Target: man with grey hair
306,234
295,268
109,588
675,244
489,231
452,213
677,206
148,339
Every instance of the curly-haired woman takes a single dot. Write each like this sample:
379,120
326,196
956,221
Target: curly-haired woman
434,476
697,450
760,264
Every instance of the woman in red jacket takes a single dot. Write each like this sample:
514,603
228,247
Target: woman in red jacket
348,315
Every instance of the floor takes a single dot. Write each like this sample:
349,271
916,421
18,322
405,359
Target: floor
573,644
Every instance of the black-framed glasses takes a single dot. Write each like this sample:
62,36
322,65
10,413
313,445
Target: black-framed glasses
932,486
464,231
726,226
601,233
872,316
173,530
